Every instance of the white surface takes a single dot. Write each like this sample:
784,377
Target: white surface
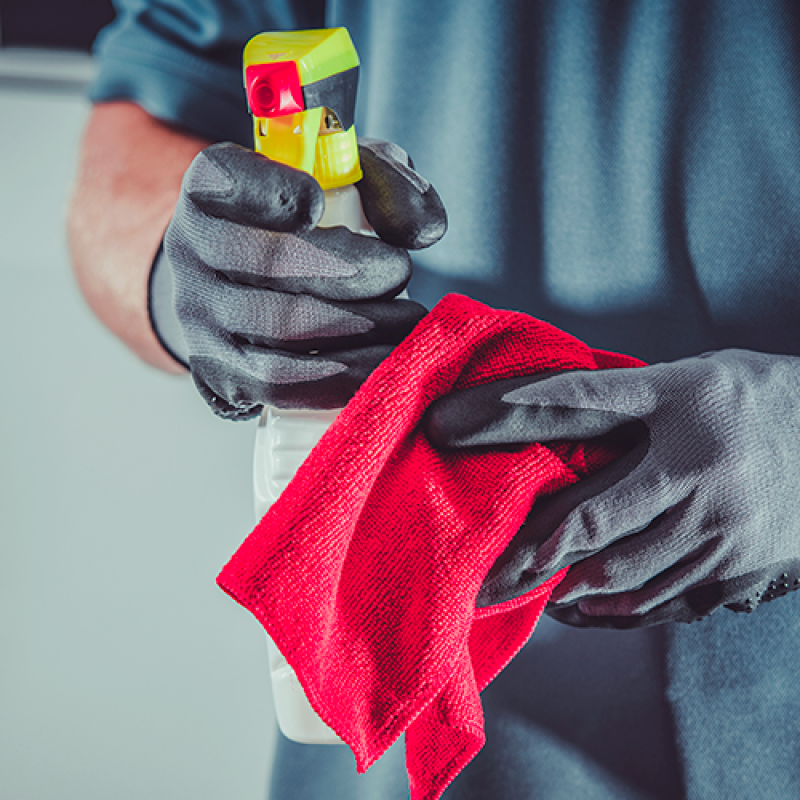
283,441
284,438
56,66
125,672
296,716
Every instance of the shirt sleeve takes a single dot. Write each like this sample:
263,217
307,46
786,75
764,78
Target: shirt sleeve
181,60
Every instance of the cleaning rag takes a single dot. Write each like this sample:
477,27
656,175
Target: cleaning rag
366,570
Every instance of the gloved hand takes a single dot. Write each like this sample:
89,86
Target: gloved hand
274,309
703,510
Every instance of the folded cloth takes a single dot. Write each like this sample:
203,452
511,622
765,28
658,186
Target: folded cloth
366,570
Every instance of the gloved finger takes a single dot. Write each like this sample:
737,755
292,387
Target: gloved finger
637,573
239,185
521,567
326,262
238,380
483,416
296,322
404,209
579,615
668,572
630,504
584,403
689,606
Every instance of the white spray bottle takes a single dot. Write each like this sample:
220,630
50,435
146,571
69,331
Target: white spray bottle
301,88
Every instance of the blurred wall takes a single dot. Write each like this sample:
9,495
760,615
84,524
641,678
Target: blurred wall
125,672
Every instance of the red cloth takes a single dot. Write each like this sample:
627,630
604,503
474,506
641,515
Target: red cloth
366,570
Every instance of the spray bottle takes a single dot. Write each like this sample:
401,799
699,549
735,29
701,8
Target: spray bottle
301,88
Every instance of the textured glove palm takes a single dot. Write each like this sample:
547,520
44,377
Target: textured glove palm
702,511
274,309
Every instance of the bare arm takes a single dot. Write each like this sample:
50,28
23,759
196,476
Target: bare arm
129,176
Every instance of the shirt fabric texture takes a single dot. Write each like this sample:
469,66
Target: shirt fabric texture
627,171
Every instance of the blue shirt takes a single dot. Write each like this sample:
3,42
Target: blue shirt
629,171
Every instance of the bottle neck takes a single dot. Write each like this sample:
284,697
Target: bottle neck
343,207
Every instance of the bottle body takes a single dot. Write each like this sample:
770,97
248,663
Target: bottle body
284,438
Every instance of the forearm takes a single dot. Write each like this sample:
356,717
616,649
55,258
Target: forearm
129,177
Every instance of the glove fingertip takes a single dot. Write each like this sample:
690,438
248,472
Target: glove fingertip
404,209
423,221
428,224
454,421
233,183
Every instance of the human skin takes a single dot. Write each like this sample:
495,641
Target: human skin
129,175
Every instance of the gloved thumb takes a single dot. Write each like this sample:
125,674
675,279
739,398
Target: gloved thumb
565,406
239,185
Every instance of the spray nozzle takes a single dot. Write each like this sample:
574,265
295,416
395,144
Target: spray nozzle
301,87
274,90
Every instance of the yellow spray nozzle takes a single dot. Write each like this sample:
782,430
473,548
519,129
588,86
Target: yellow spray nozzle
301,88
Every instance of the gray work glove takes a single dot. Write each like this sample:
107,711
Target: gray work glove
702,511
274,310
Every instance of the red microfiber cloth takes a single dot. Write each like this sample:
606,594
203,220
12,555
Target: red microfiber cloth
366,570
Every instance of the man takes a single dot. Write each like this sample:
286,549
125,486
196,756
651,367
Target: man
624,171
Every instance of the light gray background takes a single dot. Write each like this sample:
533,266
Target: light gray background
125,673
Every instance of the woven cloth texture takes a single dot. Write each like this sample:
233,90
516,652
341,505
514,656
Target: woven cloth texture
366,570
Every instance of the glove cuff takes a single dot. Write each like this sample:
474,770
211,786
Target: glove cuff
161,309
